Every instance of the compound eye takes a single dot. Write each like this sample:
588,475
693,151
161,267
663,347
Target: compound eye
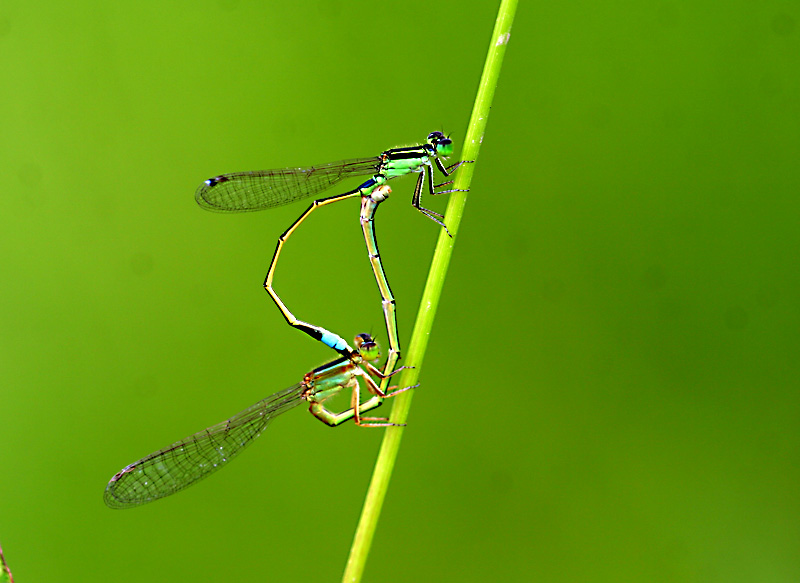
435,136
367,347
370,353
444,147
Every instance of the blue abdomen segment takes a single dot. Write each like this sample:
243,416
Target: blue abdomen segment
334,341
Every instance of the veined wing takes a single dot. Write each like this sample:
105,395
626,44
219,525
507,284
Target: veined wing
262,189
183,463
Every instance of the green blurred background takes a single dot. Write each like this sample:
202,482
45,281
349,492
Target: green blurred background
611,387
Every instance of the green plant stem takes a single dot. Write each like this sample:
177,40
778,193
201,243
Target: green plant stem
5,572
430,297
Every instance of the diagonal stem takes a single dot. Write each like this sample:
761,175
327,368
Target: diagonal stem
5,572
430,297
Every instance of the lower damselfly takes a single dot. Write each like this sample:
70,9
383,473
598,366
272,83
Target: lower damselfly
264,189
189,460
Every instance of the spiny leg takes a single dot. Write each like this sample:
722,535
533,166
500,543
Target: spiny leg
415,202
374,371
432,187
326,337
378,393
447,171
357,407
332,419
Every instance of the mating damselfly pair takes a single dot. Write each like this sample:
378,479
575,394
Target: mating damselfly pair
171,469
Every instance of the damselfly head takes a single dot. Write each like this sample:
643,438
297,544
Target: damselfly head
367,347
441,143
444,147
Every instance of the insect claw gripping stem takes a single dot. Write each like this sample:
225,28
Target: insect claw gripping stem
386,424
391,393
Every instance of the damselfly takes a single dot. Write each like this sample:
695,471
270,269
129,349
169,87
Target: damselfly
180,465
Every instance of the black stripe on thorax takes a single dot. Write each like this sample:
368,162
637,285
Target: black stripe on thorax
407,153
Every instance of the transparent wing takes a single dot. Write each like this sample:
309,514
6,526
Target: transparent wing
183,463
262,189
